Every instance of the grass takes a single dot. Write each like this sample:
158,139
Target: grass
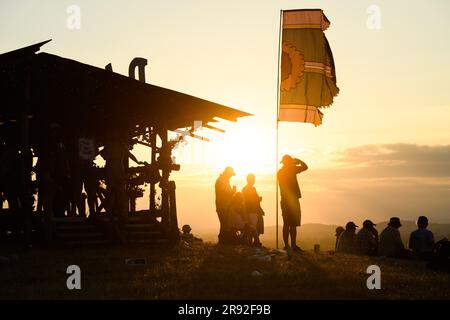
207,271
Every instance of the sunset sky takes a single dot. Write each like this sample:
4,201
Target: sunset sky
384,146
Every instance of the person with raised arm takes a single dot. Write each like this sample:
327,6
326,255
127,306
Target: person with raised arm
290,198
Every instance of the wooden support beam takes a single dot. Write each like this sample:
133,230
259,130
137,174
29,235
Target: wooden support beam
26,157
199,137
190,134
154,150
207,126
144,143
174,231
164,162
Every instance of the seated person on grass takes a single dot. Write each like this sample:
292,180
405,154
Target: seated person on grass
391,244
347,239
367,239
421,241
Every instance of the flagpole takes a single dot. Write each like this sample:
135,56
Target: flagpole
278,104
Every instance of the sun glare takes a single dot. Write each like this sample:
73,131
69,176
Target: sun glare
245,149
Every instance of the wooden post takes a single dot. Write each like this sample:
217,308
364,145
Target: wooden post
164,157
152,133
174,231
127,181
25,153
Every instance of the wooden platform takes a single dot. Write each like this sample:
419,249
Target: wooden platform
75,231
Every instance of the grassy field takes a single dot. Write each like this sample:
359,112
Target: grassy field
207,271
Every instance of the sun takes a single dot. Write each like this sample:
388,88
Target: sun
245,148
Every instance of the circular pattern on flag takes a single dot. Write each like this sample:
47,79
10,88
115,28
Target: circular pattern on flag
292,66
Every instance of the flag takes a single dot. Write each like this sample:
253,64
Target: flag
307,72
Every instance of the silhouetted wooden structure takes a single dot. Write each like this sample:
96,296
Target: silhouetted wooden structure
38,89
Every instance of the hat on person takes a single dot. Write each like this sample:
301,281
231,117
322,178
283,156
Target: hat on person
230,171
368,224
394,222
186,228
350,225
339,230
287,159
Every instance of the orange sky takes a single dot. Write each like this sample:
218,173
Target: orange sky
394,104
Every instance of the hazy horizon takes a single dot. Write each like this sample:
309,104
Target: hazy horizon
384,146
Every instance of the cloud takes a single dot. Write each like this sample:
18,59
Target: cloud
390,161
383,180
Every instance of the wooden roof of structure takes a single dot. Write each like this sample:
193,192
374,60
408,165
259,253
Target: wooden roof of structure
77,95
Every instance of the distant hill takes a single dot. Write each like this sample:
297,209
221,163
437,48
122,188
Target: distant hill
315,233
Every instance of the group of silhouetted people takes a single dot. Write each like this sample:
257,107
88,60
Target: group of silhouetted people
66,176
389,242
240,213
61,175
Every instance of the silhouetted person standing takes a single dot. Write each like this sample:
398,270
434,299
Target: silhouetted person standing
367,239
224,195
253,208
53,174
421,241
116,154
290,195
391,244
10,175
347,239
236,217
91,185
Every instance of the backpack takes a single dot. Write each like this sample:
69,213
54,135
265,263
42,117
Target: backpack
442,249
441,256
